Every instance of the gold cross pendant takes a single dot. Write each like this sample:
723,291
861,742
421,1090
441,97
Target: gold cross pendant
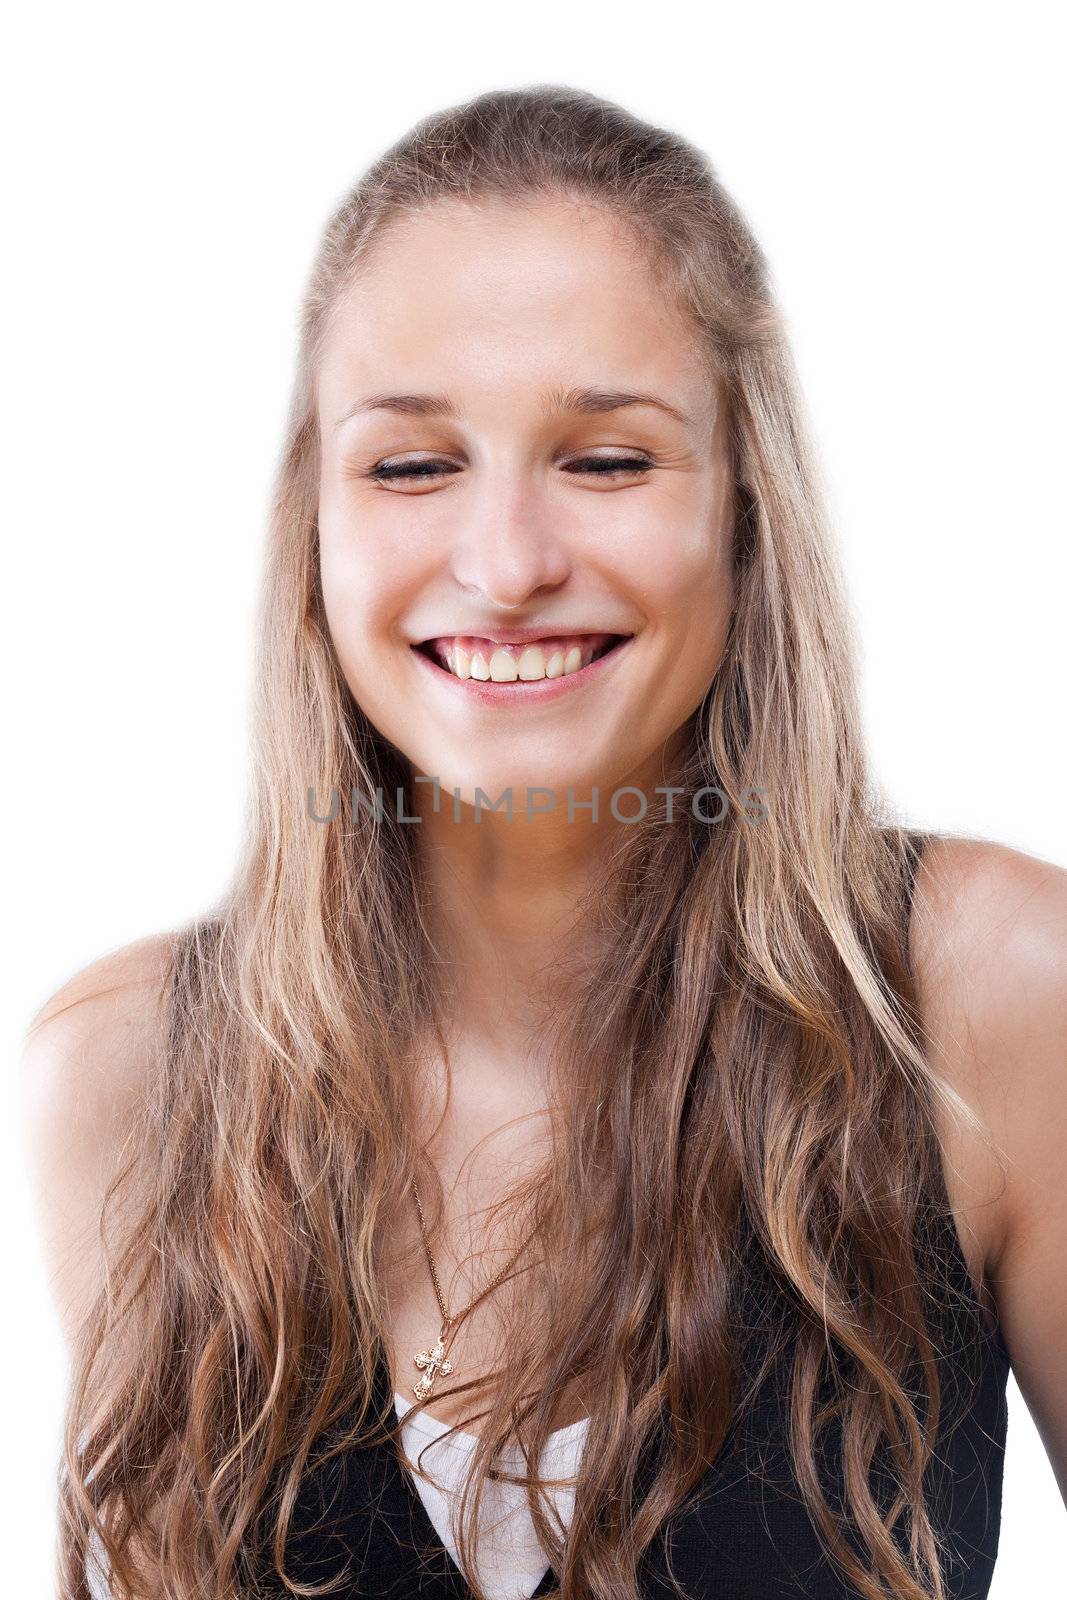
431,1362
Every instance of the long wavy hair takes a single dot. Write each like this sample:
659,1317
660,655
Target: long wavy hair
740,1071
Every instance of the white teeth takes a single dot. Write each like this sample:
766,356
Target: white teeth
502,667
532,662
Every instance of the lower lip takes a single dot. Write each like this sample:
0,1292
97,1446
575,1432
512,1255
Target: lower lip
518,693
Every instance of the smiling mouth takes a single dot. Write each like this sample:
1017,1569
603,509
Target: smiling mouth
486,661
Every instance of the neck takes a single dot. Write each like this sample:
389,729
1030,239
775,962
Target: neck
506,906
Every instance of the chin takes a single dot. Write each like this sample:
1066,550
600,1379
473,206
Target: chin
526,788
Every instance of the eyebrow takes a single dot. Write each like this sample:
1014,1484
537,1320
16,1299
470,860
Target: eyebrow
591,402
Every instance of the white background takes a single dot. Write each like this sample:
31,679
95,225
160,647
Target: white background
170,171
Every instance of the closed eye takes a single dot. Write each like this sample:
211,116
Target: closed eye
595,466
387,471
604,466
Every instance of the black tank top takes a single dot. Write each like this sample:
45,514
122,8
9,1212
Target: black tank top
744,1532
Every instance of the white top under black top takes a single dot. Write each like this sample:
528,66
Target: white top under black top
512,1560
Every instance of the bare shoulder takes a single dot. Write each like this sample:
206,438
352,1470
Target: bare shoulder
86,1060
989,952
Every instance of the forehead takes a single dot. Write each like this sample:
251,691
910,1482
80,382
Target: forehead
496,297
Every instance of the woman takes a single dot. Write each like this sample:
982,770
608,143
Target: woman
582,1064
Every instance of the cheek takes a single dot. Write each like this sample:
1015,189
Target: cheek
680,564
374,552
686,593
349,596
344,587
361,579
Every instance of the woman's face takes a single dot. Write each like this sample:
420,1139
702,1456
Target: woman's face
484,487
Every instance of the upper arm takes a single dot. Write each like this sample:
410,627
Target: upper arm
84,1066
993,947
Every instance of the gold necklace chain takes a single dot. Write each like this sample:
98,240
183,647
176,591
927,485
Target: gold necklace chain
432,1362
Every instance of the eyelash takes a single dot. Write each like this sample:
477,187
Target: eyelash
605,467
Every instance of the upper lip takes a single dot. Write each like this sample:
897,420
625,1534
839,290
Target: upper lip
521,635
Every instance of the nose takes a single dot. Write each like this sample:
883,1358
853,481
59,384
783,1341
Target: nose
511,547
